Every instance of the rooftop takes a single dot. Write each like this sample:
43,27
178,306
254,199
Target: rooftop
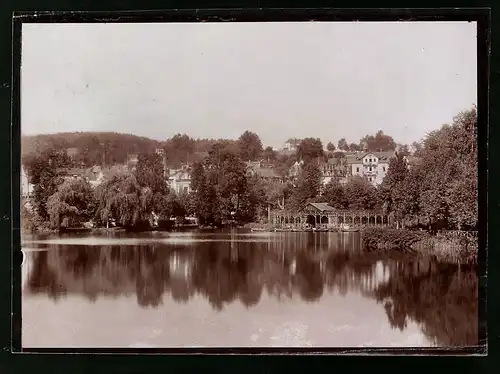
266,173
357,157
323,207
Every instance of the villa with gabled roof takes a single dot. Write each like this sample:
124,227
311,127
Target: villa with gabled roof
372,165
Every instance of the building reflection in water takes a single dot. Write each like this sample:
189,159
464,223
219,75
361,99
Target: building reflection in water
442,298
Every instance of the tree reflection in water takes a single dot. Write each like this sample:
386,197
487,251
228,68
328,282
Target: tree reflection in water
442,298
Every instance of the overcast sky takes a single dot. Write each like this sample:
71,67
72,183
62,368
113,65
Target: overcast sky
280,80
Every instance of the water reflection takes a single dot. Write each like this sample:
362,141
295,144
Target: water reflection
441,298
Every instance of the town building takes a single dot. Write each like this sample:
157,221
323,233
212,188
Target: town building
295,169
72,153
372,165
291,145
262,170
411,161
334,169
96,175
180,180
26,186
132,161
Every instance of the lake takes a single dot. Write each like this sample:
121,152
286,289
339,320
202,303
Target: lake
239,289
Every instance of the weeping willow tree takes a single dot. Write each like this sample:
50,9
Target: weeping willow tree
119,199
71,204
122,198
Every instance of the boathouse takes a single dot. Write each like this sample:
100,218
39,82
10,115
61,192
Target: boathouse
322,214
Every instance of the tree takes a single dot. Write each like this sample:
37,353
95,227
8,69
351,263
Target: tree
123,199
204,193
253,200
330,147
72,204
232,182
308,185
416,148
187,202
342,145
310,149
275,193
394,188
284,163
219,184
334,195
149,172
378,142
339,155
269,154
43,171
449,178
360,194
403,149
353,147
250,146
179,150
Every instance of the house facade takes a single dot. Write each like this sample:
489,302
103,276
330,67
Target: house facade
26,186
372,165
411,161
96,175
132,161
291,145
334,169
180,181
295,169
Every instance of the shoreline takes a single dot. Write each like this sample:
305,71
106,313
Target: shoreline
447,248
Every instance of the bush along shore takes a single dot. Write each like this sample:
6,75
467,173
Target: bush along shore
448,247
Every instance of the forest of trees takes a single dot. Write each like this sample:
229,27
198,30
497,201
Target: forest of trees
441,188
105,148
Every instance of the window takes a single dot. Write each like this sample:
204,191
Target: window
357,170
370,168
370,179
185,189
383,168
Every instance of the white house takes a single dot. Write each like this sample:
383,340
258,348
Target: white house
180,181
291,145
295,169
372,165
26,186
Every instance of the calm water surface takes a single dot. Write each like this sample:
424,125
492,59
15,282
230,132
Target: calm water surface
226,289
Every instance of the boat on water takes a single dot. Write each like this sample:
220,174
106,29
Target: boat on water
258,229
320,229
346,228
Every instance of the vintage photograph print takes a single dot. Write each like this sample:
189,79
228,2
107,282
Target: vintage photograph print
249,185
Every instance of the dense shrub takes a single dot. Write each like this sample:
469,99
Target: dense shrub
448,248
390,238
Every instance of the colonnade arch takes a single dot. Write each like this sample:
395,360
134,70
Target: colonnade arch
330,218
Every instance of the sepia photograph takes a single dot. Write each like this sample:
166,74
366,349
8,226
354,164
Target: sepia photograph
249,184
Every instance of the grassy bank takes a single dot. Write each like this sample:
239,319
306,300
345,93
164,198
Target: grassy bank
447,248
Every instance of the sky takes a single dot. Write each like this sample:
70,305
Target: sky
328,80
